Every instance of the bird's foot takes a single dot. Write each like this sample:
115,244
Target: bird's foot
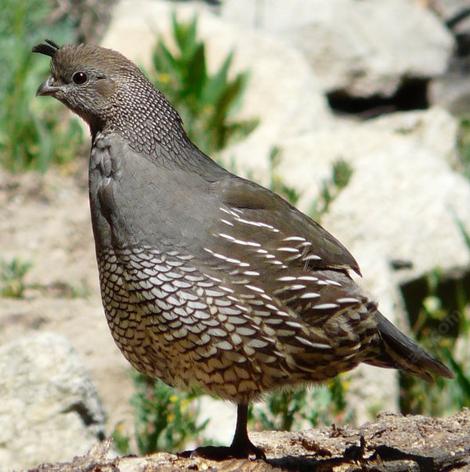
219,453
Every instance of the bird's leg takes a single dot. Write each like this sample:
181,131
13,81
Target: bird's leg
241,447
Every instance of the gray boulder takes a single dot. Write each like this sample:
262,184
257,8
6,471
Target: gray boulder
452,91
449,9
403,197
50,410
362,48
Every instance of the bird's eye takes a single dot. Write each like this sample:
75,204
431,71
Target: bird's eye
79,78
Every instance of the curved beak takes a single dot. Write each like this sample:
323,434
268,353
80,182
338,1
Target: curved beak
47,88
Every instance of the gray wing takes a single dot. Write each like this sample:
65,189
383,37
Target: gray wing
280,225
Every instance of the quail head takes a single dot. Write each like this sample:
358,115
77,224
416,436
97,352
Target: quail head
209,280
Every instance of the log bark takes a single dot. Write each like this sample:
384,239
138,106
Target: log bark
391,443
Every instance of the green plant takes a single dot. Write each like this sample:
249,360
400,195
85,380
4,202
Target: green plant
341,174
276,182
12,277
121,439
165,419
463,231
33,133
442,326
464,145
442,321
206,101
286,410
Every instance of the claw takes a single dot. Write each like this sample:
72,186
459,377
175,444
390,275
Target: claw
219,453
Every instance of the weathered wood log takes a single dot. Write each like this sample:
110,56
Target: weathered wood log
391,443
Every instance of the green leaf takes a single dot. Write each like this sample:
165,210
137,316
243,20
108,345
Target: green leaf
228,97
185,35
32,129
341,173
167,61
190,43
463,231
197,72
164,418
215,86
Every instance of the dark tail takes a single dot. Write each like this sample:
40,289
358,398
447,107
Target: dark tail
400,352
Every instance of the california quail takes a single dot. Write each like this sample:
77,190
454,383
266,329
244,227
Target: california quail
207,279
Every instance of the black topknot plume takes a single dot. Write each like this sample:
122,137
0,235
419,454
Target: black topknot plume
48,48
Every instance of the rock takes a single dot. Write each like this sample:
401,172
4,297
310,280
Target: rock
285,103
411,198
449,9
391,443
362,48
452,91
83,323
403,196
434,129
56,410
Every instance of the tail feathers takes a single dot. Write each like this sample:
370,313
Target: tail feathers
400,352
